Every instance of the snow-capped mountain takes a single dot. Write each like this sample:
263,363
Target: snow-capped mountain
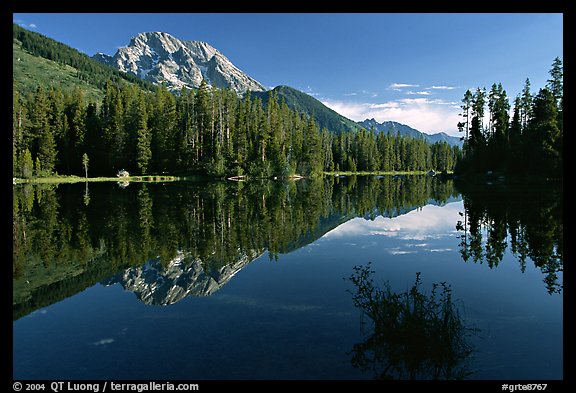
162,58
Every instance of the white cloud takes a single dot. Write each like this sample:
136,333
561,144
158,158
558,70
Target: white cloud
442,87
424,114
421,225
350,94
397,251
396,86
24,24
423,93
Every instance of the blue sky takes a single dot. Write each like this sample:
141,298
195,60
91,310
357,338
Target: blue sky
410,68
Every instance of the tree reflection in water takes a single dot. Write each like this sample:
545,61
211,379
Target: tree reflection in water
530,220
414,336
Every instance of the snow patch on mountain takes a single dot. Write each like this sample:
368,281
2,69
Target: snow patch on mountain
162,58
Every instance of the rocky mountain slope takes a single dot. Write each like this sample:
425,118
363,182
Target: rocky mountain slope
162,58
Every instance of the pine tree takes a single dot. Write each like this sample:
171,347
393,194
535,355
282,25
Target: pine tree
143,137
498,143
466,106
163,120
241,136
515,136
525,108
204,121
327,157
76,129
312,150
114,132
543,134
47,151
18,129
556,84
41,135
477,139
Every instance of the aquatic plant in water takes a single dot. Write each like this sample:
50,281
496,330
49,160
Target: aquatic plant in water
413,335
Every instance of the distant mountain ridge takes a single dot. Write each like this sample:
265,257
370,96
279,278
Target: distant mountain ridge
159,57
392,127
335,122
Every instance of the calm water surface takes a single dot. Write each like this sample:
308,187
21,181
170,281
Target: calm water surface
248,280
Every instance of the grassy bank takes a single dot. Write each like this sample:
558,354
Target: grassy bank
378,173
80,179
55,179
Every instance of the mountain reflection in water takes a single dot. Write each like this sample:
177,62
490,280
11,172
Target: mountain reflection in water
168,241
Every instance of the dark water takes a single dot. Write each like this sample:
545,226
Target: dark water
247,280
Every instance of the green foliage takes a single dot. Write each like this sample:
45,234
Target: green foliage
556,82
414,335
535,131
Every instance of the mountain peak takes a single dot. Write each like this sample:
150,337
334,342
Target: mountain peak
159,57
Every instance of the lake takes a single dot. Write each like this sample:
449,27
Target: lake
251,280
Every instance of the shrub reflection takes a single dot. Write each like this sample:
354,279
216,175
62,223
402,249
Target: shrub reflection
413,335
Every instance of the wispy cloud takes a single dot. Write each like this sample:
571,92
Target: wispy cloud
442,87
397,251
372,94
350,94
422,113
423,93
396,86
436,101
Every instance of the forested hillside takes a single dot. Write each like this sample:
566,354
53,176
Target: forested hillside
99,118
86,70
304,103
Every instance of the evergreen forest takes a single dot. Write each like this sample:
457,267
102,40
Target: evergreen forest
529,143
208,131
